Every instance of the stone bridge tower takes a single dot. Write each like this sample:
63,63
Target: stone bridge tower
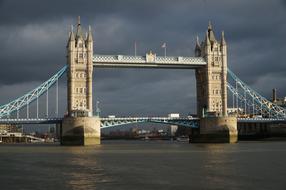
215,124
79,127
79,60
212,79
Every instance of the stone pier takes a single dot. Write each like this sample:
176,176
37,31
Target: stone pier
216,130
80,131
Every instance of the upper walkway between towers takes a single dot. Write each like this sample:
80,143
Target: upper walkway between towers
148,61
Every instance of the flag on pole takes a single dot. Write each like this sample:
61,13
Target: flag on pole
135,48
164,45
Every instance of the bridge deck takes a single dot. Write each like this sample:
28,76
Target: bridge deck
147,61
127,120
31,121
148,118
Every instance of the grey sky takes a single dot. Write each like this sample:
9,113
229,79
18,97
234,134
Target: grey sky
34,34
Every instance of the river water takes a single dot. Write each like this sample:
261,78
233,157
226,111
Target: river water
144,165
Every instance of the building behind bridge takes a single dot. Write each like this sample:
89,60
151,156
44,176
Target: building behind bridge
8,128
278,101
11,134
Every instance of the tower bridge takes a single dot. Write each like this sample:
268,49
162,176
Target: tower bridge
213,82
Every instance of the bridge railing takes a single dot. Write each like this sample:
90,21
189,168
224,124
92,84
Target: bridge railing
181,121
97,59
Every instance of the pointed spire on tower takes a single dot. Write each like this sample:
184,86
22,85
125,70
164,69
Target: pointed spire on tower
78,20
79,31
89,35
222,42
210,26
197,41
211,33
71,38
198,47
207,40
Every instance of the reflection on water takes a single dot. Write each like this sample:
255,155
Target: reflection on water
144,165
219,166
86,172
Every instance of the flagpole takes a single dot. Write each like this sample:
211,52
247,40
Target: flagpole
164,45
135,48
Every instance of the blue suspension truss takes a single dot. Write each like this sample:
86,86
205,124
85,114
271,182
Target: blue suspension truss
258,102
183,121
7,109
254,100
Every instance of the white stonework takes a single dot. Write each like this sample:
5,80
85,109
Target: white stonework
80,62
212,79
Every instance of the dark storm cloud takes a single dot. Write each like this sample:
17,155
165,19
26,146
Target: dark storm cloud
34,33
35,11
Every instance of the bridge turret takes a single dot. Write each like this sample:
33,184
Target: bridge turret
223,48
89,59
207,44
222,41
198,48
89,35
71,41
